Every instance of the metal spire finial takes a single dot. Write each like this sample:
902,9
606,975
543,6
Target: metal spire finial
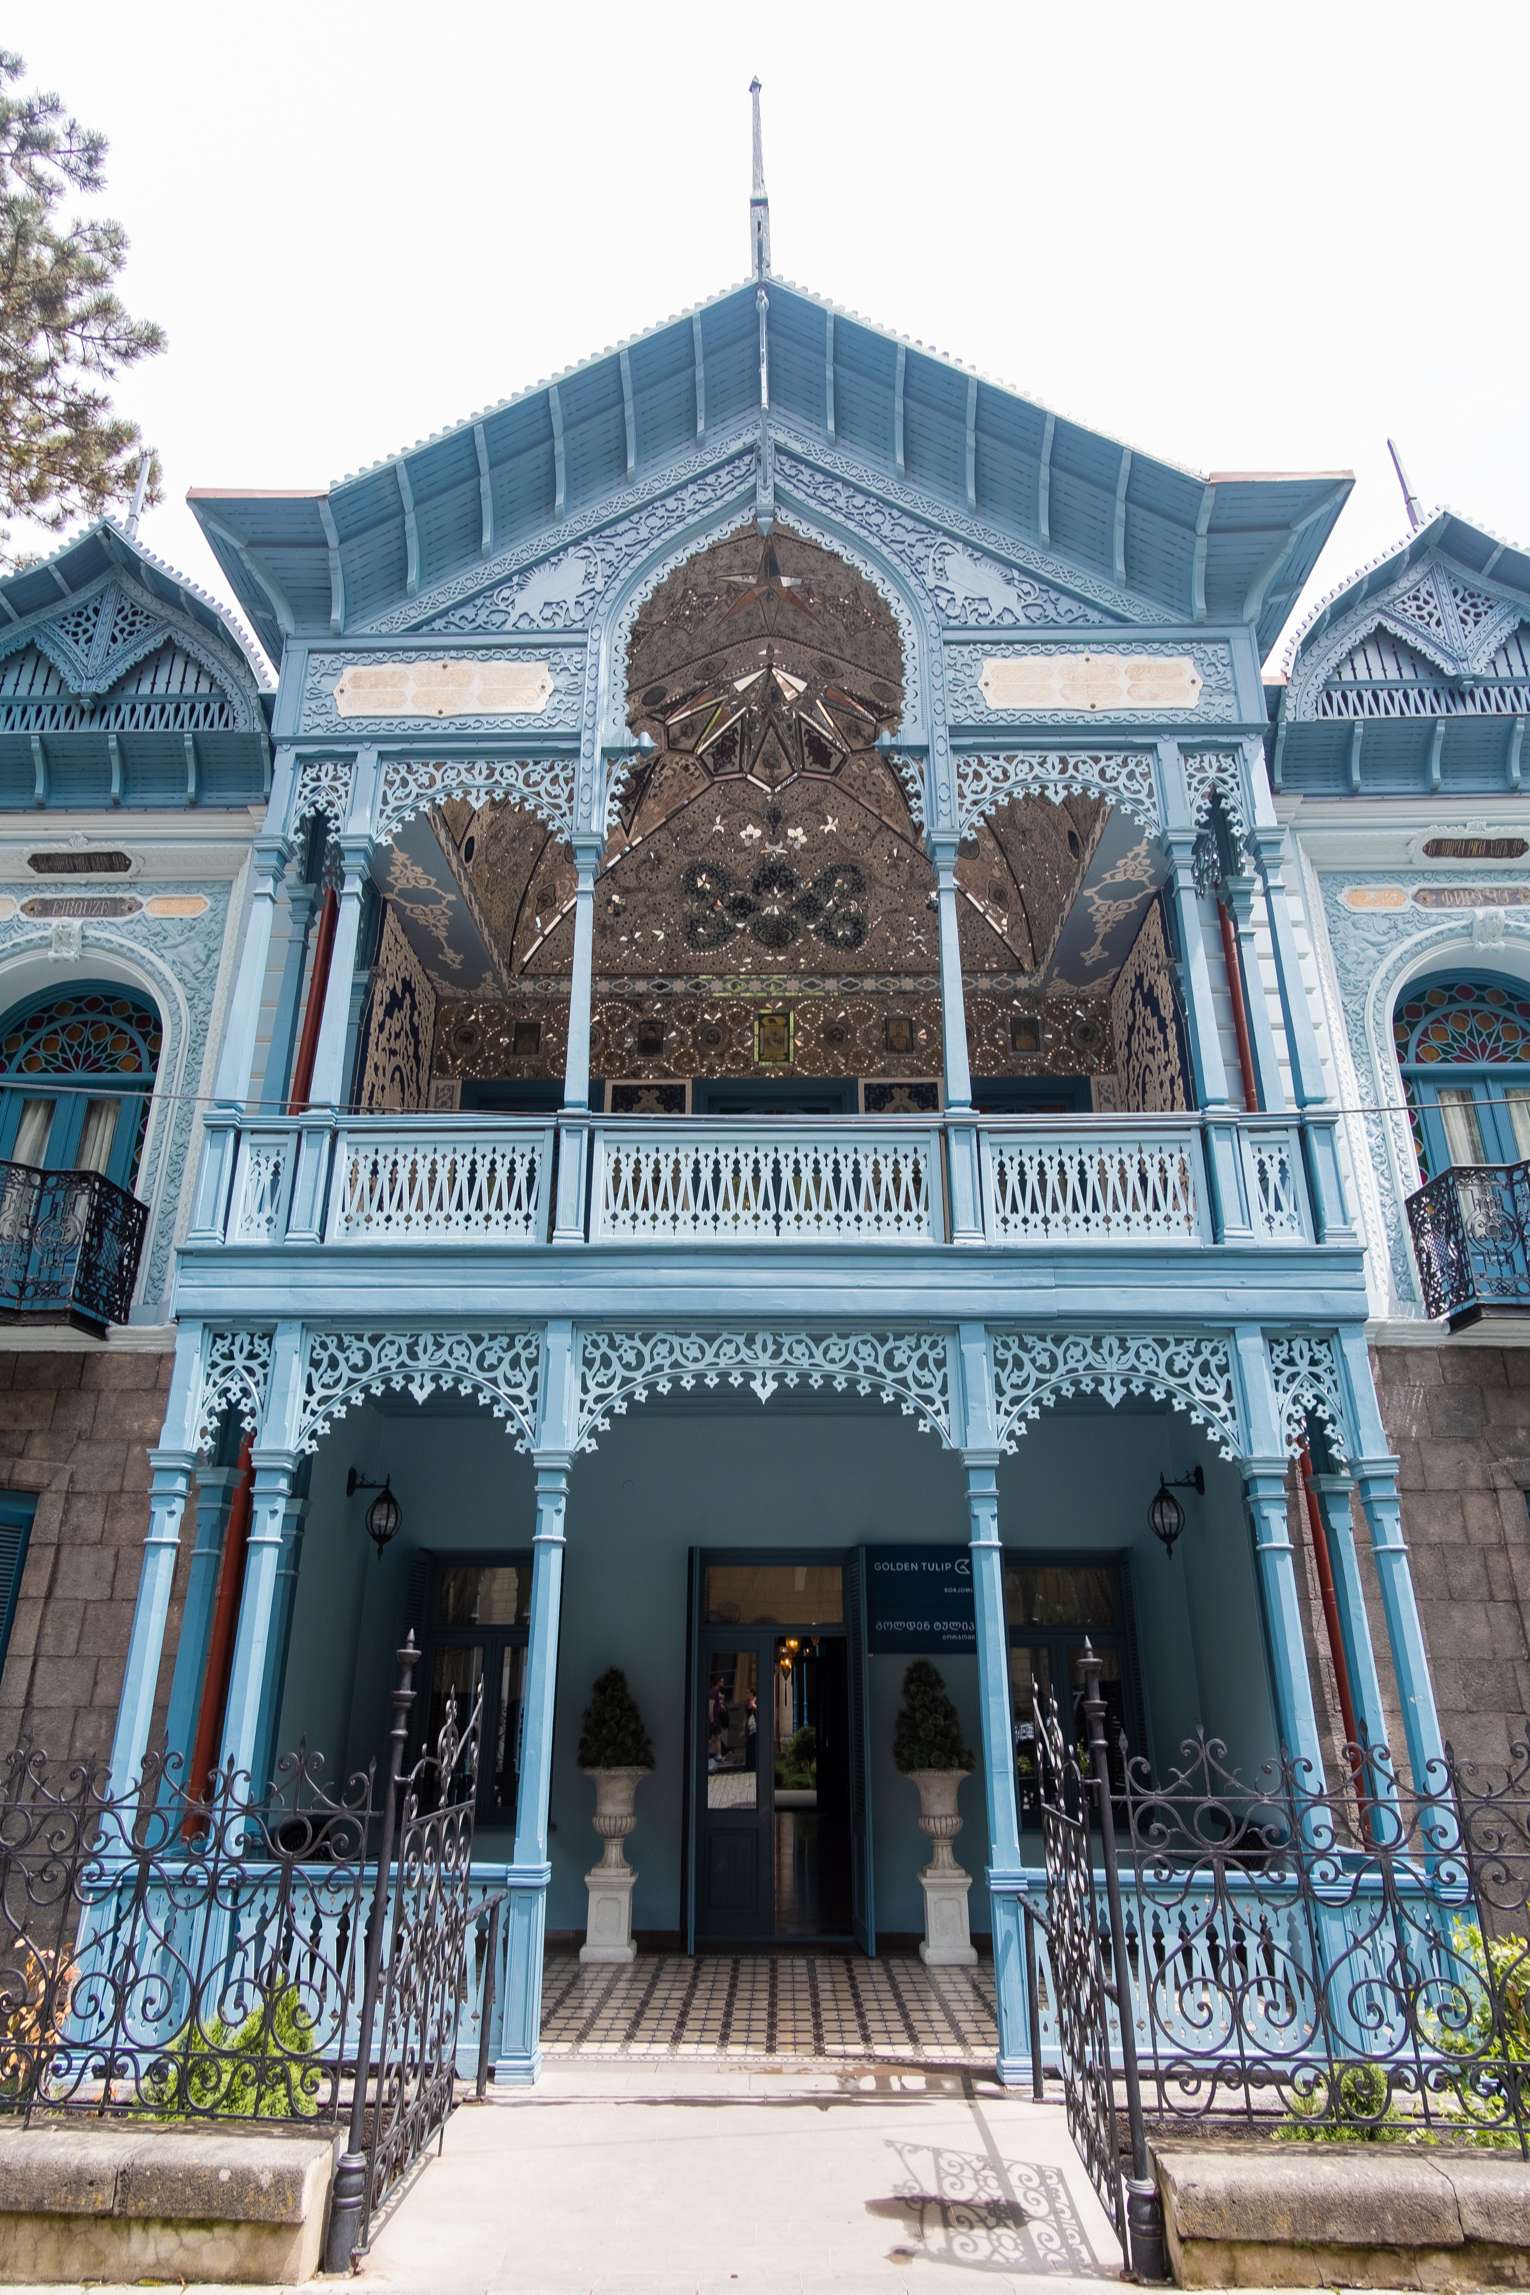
1410,499
759,203
140,489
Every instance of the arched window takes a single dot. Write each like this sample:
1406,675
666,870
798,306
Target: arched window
76,1071
1464,1049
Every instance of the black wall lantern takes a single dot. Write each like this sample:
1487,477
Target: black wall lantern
1166,1516
383,1515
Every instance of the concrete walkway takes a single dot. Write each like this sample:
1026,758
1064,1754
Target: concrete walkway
622,2179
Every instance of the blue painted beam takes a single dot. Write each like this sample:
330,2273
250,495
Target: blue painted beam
1118,542
1044,481
1352,761
336,569
900,372
698,361
114,756
560,469
411,531
39,770
971,460
1198,559
485,492
1516,748
629,418
1436,750
828,377
193,768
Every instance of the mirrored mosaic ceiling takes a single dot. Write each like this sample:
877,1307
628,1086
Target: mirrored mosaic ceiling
763,854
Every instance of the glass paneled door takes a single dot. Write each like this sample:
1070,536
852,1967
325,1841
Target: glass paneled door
778,1833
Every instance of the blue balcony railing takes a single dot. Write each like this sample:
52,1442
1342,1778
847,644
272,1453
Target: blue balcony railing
516,1183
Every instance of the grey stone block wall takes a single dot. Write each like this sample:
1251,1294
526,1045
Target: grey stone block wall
77,1429
1459,1419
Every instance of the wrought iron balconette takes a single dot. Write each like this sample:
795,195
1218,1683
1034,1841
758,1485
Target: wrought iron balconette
1471,1238
69,1247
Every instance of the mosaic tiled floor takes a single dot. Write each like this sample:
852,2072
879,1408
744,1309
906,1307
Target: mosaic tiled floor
795,2005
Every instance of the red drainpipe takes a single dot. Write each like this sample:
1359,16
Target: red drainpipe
1232,958
313,1015
225,1618
1323,1558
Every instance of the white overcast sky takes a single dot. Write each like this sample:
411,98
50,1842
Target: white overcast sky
1238,237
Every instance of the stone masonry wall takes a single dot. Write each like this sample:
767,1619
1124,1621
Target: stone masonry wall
1459,1420
77,1429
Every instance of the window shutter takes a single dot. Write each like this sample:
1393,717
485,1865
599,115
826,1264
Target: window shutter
16,1511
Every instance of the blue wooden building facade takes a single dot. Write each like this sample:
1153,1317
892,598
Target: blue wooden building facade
776,1033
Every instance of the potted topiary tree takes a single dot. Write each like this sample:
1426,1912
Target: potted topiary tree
614,1751
928,1749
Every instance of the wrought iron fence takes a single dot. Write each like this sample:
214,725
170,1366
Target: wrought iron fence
1471,1238
177,1954
69,1245
1319,1962
300,1955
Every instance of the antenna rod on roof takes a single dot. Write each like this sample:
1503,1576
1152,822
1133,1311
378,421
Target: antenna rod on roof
1410,499
140,489
759,203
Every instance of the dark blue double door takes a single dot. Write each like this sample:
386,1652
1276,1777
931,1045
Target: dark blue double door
779,1832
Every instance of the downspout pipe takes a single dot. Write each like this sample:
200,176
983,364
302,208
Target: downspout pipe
1233,961
1323,1559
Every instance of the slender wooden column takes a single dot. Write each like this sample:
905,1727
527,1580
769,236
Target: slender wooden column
1265,1490
244,1713
327,1088
170,1472
961,1131
1004,1868
1376,1481
520,2052
1334,1495
216,1486
574,1132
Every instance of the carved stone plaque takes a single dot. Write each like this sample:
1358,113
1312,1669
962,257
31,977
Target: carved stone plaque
444,689
1089,681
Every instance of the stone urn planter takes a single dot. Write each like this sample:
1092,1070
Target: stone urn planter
608,1924
928,1749
947,1935
615,1754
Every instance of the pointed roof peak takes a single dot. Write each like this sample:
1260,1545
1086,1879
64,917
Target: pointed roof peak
759,201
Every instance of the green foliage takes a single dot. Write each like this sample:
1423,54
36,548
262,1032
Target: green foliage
1354,2105
613,1736
1463,2022
928,1734
250,2071
64,334
797,1763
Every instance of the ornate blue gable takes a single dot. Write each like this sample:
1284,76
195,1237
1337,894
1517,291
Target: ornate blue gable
122,685
1414,676
1044,519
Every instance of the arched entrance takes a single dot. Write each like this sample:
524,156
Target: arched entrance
77,1069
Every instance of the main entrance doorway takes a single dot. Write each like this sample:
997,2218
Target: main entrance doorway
779,1831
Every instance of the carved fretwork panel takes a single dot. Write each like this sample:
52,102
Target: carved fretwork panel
763,658
891,1031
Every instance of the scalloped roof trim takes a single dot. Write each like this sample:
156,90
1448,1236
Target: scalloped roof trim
253,654
1436,517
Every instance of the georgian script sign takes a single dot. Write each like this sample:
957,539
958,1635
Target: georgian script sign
919,1599
466,687
1471,896
1086,681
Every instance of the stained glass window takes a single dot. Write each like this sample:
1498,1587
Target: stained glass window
94,1032
1465,1024
1463,1020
